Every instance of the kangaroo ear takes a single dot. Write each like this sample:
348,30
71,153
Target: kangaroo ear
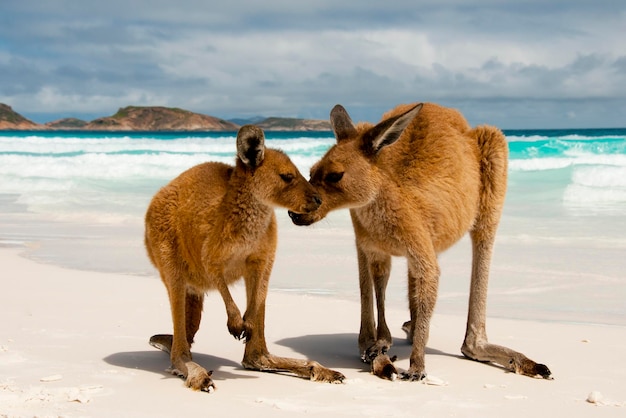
341,123
388,131
251,145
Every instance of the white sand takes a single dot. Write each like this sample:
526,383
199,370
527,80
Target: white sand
75,343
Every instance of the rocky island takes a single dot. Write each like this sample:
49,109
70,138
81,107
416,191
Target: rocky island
10,120
154,118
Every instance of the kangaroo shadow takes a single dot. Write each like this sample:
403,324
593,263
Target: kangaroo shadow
332,350
342,350
157,362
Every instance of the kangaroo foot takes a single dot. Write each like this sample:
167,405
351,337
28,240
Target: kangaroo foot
382,366
303,368
197,377
413,376
320,373
527,367
507,358
377,349
406,327
162,341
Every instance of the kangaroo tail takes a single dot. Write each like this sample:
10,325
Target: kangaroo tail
494,154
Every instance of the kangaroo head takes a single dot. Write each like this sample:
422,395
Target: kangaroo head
347,176
272,177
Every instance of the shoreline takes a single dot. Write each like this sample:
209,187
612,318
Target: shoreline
531,278
27,250
76,344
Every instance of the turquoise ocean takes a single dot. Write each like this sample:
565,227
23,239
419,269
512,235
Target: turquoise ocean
77,199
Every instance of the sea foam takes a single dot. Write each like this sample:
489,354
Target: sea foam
83,165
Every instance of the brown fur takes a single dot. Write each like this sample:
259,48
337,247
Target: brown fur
211,226
415,183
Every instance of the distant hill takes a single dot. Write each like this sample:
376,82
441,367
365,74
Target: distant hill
156,118
67,123
10,120
245,121
294,124
284,124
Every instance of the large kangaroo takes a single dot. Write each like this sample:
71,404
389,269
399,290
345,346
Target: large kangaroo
415,183
213,225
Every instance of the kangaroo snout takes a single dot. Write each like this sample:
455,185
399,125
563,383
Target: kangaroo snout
311,202
301,219
304,217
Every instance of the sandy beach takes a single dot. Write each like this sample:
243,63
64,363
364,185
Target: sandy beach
102,104
74,343
79,299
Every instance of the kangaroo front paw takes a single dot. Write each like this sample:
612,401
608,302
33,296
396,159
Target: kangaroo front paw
237,328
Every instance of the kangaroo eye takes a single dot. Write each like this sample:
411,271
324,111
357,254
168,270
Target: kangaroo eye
333,177
287,178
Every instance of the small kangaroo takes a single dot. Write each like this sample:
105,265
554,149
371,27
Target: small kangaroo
211,226
415,183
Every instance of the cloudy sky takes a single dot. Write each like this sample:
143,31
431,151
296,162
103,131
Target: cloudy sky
515,64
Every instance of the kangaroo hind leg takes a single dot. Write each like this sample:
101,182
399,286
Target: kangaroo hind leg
193,314
379,269
493,149
186,310
256,354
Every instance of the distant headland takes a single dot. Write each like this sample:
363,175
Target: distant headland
155,118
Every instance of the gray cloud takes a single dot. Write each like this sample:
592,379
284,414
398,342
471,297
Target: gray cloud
549,62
